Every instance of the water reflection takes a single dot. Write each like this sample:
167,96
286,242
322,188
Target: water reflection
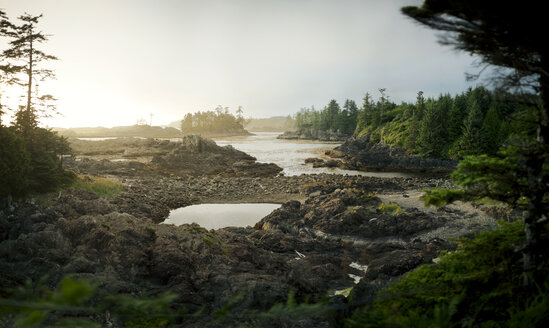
215,216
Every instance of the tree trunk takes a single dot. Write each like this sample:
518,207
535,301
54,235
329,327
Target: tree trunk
29,89
533,251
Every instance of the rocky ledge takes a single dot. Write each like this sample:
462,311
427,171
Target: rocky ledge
309,248
313,135
192,155
196,155
359,153
389,239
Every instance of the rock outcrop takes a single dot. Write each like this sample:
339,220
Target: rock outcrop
313,135
359,153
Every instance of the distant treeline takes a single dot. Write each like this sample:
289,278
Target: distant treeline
145,131
471,123
331,118
212,122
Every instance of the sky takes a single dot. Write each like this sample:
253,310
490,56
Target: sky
123,60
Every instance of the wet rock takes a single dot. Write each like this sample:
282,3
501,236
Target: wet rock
254,169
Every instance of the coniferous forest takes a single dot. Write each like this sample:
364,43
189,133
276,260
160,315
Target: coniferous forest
477,121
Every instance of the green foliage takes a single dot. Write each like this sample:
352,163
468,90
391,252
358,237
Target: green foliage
46,149
14,164
32,164
439,197
499,178
331,118
432,134
469,123
293,309
392,208
103,187
477,285
69,305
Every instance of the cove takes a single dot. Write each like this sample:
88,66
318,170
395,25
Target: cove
216,216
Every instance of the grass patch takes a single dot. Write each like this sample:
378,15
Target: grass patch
392,208
103,187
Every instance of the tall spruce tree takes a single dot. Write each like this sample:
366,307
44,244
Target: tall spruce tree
430,139
45,148
413,129
25,53
492,127
474,138
456,116
365,115
350,113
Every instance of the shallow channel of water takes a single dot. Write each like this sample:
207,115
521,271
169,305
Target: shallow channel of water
291,154
216,216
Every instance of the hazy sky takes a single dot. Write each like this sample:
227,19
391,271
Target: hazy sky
121,60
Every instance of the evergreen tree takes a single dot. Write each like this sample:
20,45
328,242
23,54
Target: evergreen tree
44,148
14,164
365,114
420,106
474,138
349,116
27,57
413,129
456,116
330,116
431,134
483,98
492,129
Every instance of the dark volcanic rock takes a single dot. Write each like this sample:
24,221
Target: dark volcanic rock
130,255
348,212
360,153
254,169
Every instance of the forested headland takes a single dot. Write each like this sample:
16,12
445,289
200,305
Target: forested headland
477,121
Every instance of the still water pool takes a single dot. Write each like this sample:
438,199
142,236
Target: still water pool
216,216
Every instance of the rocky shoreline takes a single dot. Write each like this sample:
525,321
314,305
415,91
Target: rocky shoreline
313,135
328,227
359,153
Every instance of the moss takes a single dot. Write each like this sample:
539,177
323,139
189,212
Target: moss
392,208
